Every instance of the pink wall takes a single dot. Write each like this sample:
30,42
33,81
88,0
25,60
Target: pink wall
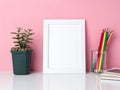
98,14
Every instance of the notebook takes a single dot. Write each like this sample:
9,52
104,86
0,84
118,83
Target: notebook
111,74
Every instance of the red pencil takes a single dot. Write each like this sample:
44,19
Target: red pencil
99,52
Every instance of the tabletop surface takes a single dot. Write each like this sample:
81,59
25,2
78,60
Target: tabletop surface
39,81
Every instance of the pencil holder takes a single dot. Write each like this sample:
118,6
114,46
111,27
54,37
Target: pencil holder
98,61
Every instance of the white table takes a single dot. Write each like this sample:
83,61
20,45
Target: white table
39,81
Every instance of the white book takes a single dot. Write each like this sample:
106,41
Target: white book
110,78
111,74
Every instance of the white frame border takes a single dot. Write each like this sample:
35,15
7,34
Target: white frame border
46,23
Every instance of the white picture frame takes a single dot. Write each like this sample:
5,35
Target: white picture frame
64,46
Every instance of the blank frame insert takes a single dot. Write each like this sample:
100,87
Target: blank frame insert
64,46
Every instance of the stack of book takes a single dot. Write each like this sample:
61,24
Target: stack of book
111,74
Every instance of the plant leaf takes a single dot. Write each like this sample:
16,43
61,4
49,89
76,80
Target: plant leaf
14,33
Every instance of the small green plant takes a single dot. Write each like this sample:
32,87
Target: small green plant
22,39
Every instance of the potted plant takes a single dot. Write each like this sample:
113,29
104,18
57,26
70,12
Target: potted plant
21,52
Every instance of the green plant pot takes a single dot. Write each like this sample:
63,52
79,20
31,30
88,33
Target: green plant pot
21,62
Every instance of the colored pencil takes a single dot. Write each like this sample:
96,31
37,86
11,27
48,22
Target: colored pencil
99,50
109,37
102,50
94,62
99,59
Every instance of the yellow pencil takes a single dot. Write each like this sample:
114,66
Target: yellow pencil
102,51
